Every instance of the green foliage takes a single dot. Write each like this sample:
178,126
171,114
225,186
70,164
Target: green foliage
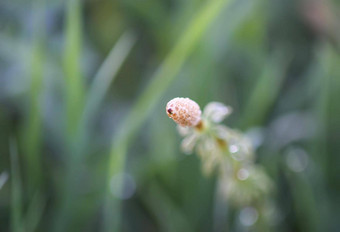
85,142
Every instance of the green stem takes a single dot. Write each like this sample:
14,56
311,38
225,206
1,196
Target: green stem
16,189
33,130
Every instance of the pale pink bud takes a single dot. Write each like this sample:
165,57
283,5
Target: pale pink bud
184,111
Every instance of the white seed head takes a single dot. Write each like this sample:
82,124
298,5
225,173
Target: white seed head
184,111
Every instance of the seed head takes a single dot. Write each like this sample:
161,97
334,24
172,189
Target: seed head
184,111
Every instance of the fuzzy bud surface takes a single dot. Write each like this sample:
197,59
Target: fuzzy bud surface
184,111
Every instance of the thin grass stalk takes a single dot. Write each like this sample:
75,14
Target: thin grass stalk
16,189
265,90
157,200
327,65
98,89
34,213
33,130
102,81
332,162
108,70
150,97
71,61
74,108
327,84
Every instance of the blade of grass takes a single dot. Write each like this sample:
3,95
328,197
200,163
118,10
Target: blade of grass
322,83
34,213
149,98
101,83
72,57
164,210
326,83
305,203
108,70
74,108
265,91
332,162
98,89
34,123
16,189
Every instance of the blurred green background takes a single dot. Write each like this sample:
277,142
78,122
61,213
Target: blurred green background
85,144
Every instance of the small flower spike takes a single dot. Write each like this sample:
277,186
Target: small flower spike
226,152
184,111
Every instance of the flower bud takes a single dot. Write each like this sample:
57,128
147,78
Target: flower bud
184,111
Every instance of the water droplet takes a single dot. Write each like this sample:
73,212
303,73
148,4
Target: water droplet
297,159
236,152
243,174
248,216
233,148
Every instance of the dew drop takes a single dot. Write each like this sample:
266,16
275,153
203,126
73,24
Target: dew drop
243,174
248,216
233,148
297,159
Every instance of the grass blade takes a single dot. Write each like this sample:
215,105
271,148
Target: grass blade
108,70
72,57
265,91
74,109
34,213
100,85
16,189
34,123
